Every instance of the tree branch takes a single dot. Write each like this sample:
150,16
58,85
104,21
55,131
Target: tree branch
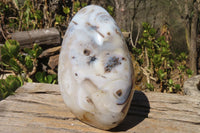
147,72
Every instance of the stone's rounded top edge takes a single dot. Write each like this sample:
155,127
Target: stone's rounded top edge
190,86
93,6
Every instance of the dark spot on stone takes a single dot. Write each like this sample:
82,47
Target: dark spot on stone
114,123
100,33
123,58
92,59
88,23
119,92
101,76
75,22
94,27
73,57
89,100
108,33
107,53
112,62
126,96
86,52
85,117
76,74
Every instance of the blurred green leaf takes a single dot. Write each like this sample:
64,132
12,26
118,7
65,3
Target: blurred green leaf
170,89
171,82
29,80
182,56
66,10
5,59
110,10
8,86
39,77
38,15
49,79
152,31
11,48
189,72
13,64
37,50
150,86
177,87
157,60
161,74
171,63
181,68
145,34
29,62
59,19
42,77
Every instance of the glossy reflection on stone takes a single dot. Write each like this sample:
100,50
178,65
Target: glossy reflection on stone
95,69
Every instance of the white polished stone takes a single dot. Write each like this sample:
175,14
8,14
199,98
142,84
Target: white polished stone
95,71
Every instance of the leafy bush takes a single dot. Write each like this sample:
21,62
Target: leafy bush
9,85
38,14
22,64
43,78
158,62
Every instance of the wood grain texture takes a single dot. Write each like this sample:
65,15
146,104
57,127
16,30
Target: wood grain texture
39,108
50,36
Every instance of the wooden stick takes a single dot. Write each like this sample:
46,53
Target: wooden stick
50,36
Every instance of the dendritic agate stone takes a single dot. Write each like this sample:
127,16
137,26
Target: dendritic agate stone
95,70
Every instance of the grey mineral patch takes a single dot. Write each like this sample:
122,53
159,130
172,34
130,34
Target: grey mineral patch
190,86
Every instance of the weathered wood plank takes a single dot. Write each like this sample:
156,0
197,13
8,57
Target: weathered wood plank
53,61
42,36
50,51
39,108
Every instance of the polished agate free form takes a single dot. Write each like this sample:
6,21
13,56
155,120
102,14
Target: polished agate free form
95,71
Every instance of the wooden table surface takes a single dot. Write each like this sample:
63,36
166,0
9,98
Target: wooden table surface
39,108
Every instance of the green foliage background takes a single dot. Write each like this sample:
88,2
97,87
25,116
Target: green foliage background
156,60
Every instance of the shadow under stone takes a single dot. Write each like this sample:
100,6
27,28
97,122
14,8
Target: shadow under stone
138,111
